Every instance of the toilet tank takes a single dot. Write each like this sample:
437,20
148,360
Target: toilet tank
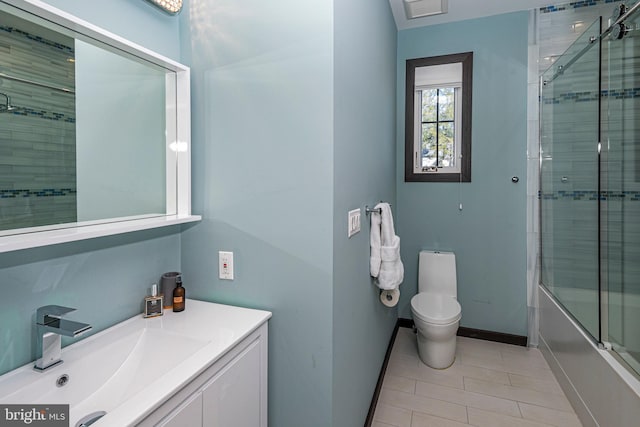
437,273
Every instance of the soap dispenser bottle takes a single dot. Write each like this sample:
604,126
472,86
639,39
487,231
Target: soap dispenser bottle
178,296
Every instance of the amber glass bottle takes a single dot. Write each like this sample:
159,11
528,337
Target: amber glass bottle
178,296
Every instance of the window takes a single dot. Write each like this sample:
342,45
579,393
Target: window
437,141
438,119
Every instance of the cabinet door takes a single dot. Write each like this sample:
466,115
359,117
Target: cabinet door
232,397
189,414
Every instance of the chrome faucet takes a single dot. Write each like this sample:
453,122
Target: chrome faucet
50,328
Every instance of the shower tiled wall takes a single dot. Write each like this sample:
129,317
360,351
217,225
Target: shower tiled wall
37,134
569,167
561,24
570,180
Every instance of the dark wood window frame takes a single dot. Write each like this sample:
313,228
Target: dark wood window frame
466,59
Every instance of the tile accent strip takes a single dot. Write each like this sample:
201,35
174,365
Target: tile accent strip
633,196
46,192
39,39
567,97
574,5
42,114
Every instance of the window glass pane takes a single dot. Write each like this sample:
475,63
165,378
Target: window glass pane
446,103
436,141
446,147
429,97
428,146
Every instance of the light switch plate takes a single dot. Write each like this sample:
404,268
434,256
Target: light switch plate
225,265
354,222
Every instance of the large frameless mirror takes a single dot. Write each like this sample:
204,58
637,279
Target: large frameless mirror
91,131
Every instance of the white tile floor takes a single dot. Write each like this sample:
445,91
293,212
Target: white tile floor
489,385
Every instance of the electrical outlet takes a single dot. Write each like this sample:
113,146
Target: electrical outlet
354,222
225,265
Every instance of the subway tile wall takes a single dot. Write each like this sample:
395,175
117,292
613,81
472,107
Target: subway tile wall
37,135
569,168
569,163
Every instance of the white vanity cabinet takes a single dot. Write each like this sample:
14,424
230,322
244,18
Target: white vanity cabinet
231,392
205,366
187,414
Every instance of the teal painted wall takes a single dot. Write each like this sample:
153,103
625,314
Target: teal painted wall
106,279
282,150
489,235
262,123
364,173
135,20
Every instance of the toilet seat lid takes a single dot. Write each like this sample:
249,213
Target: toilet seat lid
435,308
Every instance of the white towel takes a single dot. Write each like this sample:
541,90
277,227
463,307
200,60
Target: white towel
385,263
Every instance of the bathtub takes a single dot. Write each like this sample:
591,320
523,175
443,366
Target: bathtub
601,389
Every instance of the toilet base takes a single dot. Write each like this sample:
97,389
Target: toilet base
439,353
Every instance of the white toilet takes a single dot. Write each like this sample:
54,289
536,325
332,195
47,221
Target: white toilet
436,311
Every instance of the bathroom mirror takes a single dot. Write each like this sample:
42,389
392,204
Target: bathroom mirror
93,129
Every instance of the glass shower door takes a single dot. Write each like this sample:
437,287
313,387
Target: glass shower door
621,191
569,116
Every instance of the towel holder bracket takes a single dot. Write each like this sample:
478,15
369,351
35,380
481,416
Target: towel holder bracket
368,210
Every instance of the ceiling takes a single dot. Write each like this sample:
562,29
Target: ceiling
465,9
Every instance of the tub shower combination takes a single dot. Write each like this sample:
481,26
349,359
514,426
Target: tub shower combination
590,197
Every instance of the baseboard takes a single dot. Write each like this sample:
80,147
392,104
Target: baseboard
479,334
376,394
405,323
492,336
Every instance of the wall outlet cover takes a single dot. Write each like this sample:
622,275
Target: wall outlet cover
354,222
225,265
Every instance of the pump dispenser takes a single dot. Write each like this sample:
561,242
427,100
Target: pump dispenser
178,296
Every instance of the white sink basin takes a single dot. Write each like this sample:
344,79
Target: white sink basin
132,367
